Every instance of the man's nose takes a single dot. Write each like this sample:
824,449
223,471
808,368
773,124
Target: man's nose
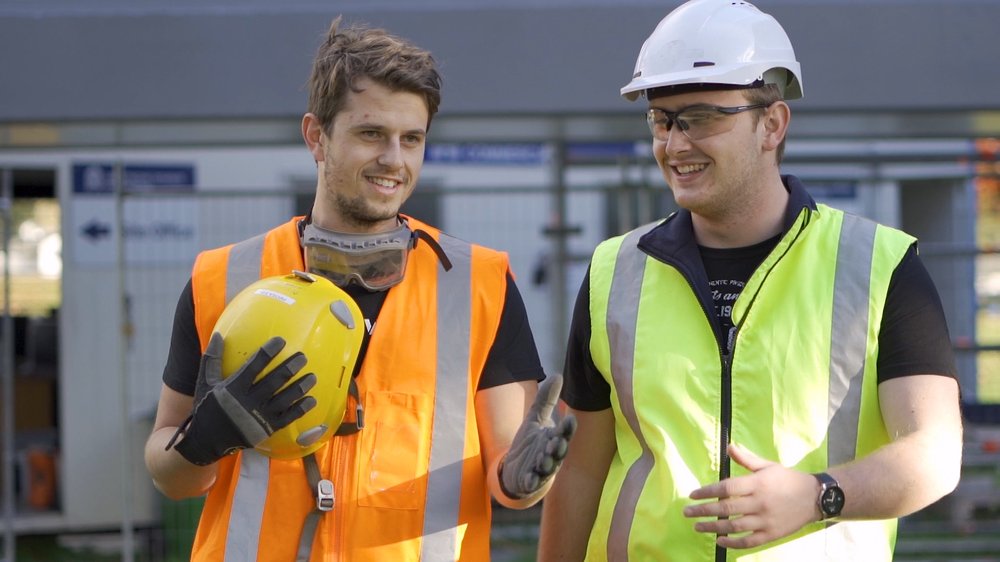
392,155
676,141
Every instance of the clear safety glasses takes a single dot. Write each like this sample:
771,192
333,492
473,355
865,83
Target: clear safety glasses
696,122
374,261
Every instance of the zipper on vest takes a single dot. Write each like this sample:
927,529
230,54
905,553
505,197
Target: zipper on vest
727,403
727,418
727,379
725,376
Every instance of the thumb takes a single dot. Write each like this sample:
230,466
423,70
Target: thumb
546,399
747,459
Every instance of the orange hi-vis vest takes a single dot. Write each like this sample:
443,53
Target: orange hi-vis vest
409,486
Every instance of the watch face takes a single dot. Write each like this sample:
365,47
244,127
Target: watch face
832,501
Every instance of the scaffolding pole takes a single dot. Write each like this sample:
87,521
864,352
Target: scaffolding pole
7,375
127,527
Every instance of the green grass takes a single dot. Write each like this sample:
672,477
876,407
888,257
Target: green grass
46,548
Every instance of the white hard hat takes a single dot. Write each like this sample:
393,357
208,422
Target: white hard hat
716,43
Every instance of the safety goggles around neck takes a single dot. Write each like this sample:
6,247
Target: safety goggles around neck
373,261
376,262
697,121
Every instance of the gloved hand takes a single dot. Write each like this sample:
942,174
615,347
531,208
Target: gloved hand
539,446
237,413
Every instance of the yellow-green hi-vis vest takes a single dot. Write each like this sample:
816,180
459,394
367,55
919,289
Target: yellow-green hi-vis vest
802,389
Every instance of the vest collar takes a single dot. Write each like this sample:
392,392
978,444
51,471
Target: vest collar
672,241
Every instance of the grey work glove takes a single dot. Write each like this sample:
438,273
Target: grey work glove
238,413
539,446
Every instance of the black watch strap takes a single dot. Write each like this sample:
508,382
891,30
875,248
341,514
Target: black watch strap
831,496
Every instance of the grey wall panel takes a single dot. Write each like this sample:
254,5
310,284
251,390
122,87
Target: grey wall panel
910,55
153,66
221,63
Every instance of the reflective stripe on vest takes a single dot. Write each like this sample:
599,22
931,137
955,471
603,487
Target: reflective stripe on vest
243,538
847,357
623,309
244,265
849,332
441,513
448,439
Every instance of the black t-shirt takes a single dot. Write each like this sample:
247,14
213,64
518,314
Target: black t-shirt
512,358
728,271
913,338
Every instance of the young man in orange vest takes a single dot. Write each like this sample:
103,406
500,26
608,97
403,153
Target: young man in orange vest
448,371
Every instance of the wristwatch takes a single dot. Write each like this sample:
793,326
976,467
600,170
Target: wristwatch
831,496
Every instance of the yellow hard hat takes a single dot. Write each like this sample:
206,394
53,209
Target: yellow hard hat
315,317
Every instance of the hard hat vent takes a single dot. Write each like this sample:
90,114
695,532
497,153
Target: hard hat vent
311,436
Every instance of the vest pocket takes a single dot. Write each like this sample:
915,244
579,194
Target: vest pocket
396,442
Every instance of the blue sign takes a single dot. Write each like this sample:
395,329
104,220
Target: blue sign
530,153
99,178
599,151
487,153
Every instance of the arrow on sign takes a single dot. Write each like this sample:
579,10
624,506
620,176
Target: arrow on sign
95,230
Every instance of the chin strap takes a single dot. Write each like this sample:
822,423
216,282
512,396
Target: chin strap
349,427
322,489
323,492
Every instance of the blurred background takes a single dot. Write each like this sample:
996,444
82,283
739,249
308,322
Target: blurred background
134,134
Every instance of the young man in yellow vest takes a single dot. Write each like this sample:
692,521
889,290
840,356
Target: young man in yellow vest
448,371
757,376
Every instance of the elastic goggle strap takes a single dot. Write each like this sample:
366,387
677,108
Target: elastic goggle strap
438,250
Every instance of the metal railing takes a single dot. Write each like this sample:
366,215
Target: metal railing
7,375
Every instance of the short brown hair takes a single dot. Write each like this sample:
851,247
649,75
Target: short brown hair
357,52
766,94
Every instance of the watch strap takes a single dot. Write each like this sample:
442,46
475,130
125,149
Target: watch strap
828,485
826,480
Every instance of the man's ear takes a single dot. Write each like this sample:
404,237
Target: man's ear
312,133
776,119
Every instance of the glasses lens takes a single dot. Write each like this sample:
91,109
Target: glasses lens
659,123
383,270
329,264
703,122
696,122
375,270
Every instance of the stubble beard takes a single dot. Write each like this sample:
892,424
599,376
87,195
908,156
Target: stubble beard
359,213
721,199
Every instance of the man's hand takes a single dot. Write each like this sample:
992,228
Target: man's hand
539,446
238,413
767,505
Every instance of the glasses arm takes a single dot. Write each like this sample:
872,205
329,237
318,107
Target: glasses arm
741,108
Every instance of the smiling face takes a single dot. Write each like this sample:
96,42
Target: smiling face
721,177
369,159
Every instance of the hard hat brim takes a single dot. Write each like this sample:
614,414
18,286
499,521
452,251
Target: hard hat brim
714,78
